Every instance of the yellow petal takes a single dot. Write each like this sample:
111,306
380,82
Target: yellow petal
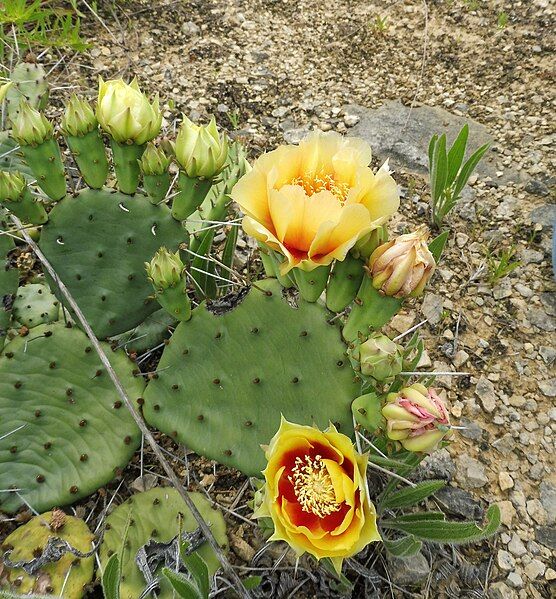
251,193
383,198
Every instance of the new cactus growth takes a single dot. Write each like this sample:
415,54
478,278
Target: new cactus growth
224,380
34,133
166,273
131,121
158,515
154,166
377,357
27,544
63,429
80,128
16,197
34,305
28,82
201,152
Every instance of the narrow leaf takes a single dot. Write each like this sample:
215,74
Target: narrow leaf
421,517
439,169
198,569
456,154
436,246
111,578
404,547
432,145
412,495
230,247
448,532
468,169
182,585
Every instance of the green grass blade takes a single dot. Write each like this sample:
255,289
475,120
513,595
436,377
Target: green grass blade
467,169
436,246
456,154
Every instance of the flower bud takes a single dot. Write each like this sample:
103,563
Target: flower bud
154,161
402,267
378,357
12,186
31,127
200,150
126,114
165,269
4,90
79,117
368,244
417,418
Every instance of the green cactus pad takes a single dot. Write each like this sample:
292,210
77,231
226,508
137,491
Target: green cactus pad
29,83
150,333
9,278
10,156
75,431
70,572
224,381
98,243
34,305
155,514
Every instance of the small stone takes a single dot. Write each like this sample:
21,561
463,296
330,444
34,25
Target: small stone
190,29
351,120
505,445
534,569
460,503
460,358
514,580
548,354
437,465
536,510
516,546
145,482
507,512
402,322
548,500
471,429
546,535
505,481
548,387
505,560
471,472
500,590
424,360
411,571
485,392
432,308
536,187
550,574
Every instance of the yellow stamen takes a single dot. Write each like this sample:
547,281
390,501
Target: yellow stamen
314,182
313,487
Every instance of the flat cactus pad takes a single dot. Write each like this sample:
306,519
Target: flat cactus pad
155,514
27,543
98,243
223,381
63,430
34,305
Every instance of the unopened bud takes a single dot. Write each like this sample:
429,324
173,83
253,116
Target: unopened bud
79,117
378,357
154,161
12,186
31,127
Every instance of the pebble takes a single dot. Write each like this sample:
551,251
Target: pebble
432,307
536,511
516,546
548,387
534,569
505,481
486,394
505,560
507,512
548,500
515,580
471,472
460,358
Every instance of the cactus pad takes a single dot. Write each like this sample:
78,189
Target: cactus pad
98,243
225,380
74,430
28,542
151,332
10,159
156,515
29,83
8,285
34,304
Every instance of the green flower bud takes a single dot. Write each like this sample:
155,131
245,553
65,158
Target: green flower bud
154,161
31,127
200,150
12,186
126,114
4,90
378,357
79,117
417,418
368,244
165,269
402,267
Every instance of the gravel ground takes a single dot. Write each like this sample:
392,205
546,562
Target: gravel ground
272,69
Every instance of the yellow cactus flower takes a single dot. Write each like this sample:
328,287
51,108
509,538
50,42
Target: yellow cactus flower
316,493
417,418
314,201
125,113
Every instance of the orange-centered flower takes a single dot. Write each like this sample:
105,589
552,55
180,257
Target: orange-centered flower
316,493
314,201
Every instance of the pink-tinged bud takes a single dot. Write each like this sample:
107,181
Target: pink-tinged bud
417,418
401,267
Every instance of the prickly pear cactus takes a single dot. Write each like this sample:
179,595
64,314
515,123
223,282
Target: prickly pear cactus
155,514
63,430
98,243
70,573
34,305
150,333
10,159
28,83
8,285
225,380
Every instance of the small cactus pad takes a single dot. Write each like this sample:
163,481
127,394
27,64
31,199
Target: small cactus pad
151,332
8,285
155,514
28,83
28,542
34,304
63,429
224,381
98,243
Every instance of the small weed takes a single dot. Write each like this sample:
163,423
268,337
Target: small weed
233,117
502,20
500,263
380,24
472,4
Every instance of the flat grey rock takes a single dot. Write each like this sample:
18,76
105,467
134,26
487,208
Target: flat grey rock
395,133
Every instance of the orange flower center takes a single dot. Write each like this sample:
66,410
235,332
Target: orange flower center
314,182
313,487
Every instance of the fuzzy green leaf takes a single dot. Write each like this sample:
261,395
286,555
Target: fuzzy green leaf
198,569
182,585
436,246
403,547
441,531
467,169
412,495
111,578
252,582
